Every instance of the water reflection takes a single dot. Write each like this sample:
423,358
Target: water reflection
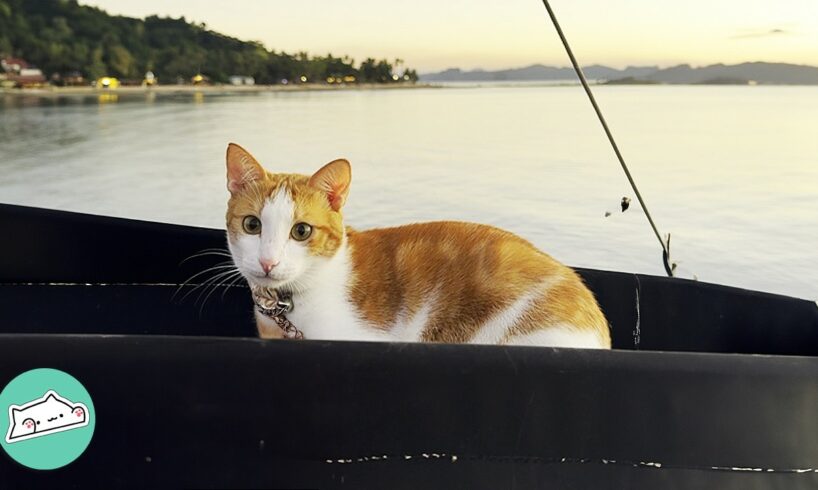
108,98
19,100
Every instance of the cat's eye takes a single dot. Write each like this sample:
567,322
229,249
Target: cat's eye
251,225
301,231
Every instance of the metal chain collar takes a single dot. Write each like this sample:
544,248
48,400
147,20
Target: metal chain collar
276,308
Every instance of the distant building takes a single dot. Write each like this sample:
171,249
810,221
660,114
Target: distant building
68,79
13,65
107,83
19,73
242,80
199,79
74,78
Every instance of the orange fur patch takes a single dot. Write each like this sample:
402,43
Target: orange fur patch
471,272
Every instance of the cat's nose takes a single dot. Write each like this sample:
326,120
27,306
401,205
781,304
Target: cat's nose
267,264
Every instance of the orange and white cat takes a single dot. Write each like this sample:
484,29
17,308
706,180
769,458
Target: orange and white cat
431,282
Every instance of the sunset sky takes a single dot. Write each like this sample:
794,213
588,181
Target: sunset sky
432,35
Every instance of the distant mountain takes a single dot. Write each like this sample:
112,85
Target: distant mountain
744,73
537,72
758,72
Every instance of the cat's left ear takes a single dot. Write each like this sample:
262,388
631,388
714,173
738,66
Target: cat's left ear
242,168
334,178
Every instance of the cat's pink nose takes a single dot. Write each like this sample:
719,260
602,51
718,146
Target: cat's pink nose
267,264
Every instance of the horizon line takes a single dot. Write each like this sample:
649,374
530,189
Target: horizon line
616,67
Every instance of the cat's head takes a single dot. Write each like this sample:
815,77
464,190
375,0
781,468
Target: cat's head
280,227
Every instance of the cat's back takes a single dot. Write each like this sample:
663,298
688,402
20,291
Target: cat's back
464,282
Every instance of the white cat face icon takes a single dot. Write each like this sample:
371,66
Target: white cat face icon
44,416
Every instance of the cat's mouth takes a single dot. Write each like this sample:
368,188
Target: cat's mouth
266,281
274,280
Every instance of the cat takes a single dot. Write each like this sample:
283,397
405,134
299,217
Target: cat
46,415
432,282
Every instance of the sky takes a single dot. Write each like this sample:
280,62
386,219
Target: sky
432,35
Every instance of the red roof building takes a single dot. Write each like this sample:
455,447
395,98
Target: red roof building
21,73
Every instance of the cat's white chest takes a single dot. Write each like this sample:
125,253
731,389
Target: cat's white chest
324,311
326,315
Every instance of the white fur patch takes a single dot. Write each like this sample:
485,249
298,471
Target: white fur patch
276,221
321,308
408,329
496,327
559,336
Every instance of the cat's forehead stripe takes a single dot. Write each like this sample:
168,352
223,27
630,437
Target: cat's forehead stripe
278,208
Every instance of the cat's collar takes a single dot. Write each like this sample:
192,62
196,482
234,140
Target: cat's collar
275,305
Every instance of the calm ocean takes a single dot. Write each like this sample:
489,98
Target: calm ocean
730,172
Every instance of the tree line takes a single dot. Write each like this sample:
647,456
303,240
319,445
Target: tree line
61,36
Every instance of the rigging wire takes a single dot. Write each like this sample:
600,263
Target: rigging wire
669,269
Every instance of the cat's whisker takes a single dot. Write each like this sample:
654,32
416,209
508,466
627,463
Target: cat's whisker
214,286
214,249
214,279
212,283
218,267
232,284
188,282
219,252
221,265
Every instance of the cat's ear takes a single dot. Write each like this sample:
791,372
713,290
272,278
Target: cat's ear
334,178
14,413
242,168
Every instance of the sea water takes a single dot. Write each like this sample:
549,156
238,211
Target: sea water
731,172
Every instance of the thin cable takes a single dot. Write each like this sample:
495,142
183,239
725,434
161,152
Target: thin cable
584,82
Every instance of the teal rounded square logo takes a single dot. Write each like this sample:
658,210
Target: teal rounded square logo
47,418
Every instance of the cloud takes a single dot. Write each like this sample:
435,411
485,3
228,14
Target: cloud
758,33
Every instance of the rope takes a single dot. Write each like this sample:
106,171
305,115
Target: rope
665,244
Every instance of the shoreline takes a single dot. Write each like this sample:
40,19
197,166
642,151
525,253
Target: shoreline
202,90
52,91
